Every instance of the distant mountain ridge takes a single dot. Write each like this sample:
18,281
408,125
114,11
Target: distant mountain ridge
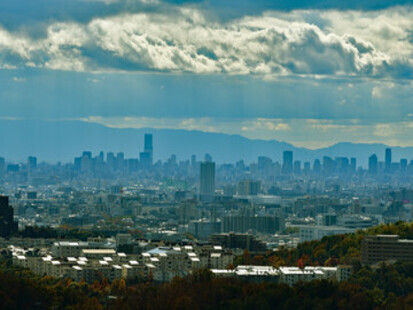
53,141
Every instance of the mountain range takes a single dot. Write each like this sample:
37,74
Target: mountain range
53,141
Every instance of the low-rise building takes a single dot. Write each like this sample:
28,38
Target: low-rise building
381,248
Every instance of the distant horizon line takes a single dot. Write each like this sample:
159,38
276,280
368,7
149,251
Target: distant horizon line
294,144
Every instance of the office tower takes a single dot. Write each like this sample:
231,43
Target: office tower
78,163
149,146
86,161
328,166
120,161
2,167
146,157
193,163
353,164
287,167
317,166
240,165
207,157
111,161
13,168
387,160
297,167
101,156
373,164
342,165
403,164
307,167
242,223
7,224
248,188
31,163
172,161
207,181
264,163
87,154
145,160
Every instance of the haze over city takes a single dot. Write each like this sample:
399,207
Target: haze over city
206,154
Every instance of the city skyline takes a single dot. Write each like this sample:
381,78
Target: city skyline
288,165
206,154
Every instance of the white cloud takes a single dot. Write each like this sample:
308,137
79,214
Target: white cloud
19,79
351,43
381,90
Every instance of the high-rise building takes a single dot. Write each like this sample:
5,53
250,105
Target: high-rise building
373,164
111,160
7,225
307,167
193,162
328,166
86,161
387,160
287,167
207,181
146,157
403,164
248,188
31,163
120,161
317,166
2,167
297,167
353,164
149,145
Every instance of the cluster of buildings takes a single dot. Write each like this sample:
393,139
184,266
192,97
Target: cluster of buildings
287,275
96,259
237,178
258,206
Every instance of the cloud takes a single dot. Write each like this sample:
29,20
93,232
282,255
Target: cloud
265,124
186,41
19,79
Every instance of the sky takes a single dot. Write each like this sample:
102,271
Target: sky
312,73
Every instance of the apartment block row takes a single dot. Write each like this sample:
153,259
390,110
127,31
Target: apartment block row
287,275
70,260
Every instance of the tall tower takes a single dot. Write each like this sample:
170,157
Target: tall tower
146,157
7,225
373,164
287,167
2,167
387,160
207,181
148,143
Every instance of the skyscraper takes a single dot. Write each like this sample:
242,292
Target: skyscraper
146,157
373,164
149,145
2,167
207,181
317,166
403,164
287,167
353,164
7,225
328,166
31,163
387,160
